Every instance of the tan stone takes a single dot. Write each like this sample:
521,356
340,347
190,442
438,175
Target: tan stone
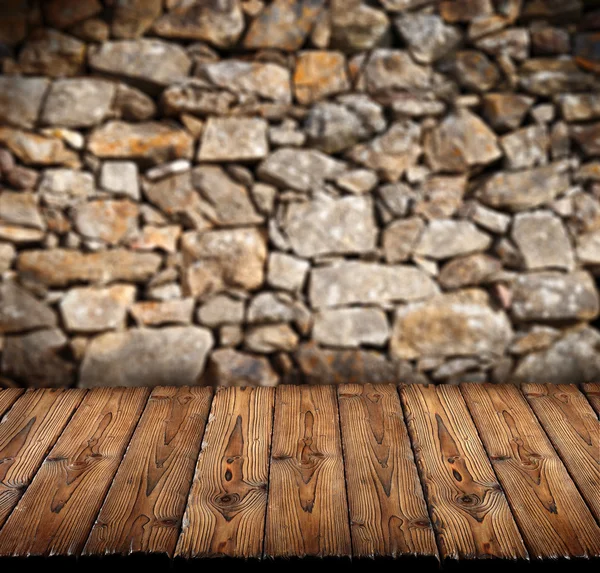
109,221
319,74
156,313
34,149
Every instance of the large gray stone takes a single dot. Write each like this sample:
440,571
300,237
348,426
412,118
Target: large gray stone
20,311
388,70
351,327
21,99
234,139
66,187
331,226
172,356
446,238
355,282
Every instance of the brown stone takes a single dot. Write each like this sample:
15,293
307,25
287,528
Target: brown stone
66,13
21,99
319,74
588,138
228,367
472,270
50,53
157,238
505,111
156,313
400,238
33,149
356,26
20,311
108,221
13,21
131,18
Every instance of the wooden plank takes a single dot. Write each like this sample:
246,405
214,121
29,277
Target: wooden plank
551,514
225,515
574,431
592,392
27,433
308,512
470,513
8,397
145,504
56,513
388,513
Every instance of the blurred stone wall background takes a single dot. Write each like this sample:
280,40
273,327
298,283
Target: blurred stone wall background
288,191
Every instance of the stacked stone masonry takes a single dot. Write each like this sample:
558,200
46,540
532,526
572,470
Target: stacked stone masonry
290,191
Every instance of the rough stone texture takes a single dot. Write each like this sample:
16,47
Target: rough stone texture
137,357
382,190
461,323
94,310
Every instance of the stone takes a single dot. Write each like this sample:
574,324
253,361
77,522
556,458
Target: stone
20,311
286,272
263,80
319,74
167,169
227,202
234,139
65,13
548,76
158,313
264,197
588,138
505,111
370,113
219,22
351,327
299,169
356,26
149,143
461,10
543,241
14,16
388,70
22,178
228,367
120,178
33,149
321,366
400,237
588,248
513,42
131,18
446,238
580,107
286,134
157,238
132,104
522,190
352,282
459,323
585,50
137,357
270,338
7,256
427,36
109,221
216,260
92,30
193,96
16,234
78,102
88,310
61,267
66,187
326,226
549,40
52,54
471,270
21,208
576,356
474,71
273,307
35,359
461,141
21,100
396,198
526,147
537,338
439,197
332,128
147,63
221,309
357,181
555,297
392,153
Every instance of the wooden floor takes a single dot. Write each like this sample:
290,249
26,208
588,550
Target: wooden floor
442,472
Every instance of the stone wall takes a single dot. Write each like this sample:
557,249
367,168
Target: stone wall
249,191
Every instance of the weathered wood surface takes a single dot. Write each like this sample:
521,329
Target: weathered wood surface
228,499
145,505
574,430
27,433
307,512
388,514
470,513
552,516
359,470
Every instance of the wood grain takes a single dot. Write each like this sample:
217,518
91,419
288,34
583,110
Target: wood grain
308,511
388,514
470,513
592,392
574,430
56,513
144,507
8,397
551,514
27,433
225,515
